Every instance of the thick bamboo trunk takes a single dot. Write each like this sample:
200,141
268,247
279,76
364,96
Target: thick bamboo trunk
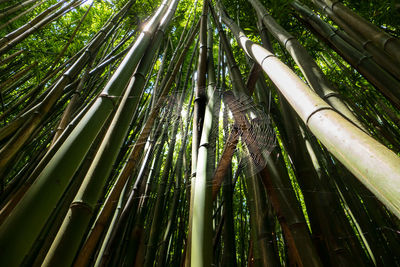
201,216
355,149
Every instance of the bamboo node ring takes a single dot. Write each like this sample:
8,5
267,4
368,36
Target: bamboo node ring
80,204
287,40
262,61
331,95
316,111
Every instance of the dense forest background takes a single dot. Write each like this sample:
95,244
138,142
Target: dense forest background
195,133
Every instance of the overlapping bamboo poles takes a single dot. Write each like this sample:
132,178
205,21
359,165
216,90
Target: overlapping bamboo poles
61,165
135,199
382,80
354,148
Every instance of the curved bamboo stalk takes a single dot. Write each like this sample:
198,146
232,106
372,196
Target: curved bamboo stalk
355,149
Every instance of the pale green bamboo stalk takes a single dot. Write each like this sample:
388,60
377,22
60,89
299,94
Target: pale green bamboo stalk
201,241
355,149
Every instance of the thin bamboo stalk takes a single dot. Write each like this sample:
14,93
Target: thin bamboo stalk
11,40
22,14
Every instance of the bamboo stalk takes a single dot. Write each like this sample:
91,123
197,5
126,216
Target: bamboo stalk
382,80
316,79
383,40
356,150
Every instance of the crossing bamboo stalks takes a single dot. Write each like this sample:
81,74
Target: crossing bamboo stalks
82,207
16,77
71,38
145,132
291,219
316,79
31,119
15,8
295,234
378,55
312,183
382,80
383,40
356,150
155,230
76,144
22,14
140,143
11,40
11,57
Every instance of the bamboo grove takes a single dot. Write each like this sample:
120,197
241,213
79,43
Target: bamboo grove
199,133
